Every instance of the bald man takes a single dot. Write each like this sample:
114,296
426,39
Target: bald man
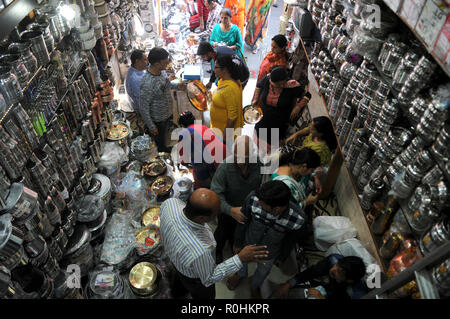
190,244
234,179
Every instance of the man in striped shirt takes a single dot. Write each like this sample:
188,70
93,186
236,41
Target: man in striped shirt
190,245
155,101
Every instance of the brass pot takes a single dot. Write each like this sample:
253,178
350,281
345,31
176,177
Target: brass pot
144,279
151,216
162,186
155,167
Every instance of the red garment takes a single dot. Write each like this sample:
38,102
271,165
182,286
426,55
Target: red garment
210,142
272,97
202,10
269,61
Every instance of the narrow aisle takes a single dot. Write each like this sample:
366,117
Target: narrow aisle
277,275
254,60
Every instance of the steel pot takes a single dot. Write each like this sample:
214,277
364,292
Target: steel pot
37,250
33,281
78,240
97,230
36,38
435,237
423,218
43,26
21,201
11,237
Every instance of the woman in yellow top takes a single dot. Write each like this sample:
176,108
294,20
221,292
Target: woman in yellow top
320,138
226,109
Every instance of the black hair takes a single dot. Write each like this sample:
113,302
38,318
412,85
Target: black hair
305,156
280,40
278,73
194,210
323,125
211,1
157,54
204,47
186,119
274,193
227,11
136,55
353,267
232,67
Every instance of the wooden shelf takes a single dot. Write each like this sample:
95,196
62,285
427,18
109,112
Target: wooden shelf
429,50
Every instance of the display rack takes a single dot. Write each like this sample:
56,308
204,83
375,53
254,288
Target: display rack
25,88
429,50
339,153
419,271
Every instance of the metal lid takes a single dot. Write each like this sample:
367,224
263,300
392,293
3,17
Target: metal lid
80,237
143,275
151,216
105,185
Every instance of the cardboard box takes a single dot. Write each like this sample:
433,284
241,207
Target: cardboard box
442,46
431,21
192,72
395,5
411,10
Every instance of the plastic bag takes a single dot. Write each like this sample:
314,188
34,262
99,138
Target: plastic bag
119,238
113,156
329,230
353,247
137,190
133,185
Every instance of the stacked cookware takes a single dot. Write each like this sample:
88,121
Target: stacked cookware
393,131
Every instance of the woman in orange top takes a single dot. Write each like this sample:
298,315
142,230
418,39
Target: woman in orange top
226,109
276,57
237,7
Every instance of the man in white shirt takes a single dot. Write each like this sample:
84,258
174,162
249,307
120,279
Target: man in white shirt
190,245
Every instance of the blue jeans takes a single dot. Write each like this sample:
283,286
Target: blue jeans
261,273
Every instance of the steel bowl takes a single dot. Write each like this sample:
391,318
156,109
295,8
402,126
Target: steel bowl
252,114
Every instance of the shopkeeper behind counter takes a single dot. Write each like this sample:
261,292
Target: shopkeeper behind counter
155,103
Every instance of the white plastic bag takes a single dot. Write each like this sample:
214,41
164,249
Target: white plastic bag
353,247
329,230
113,156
